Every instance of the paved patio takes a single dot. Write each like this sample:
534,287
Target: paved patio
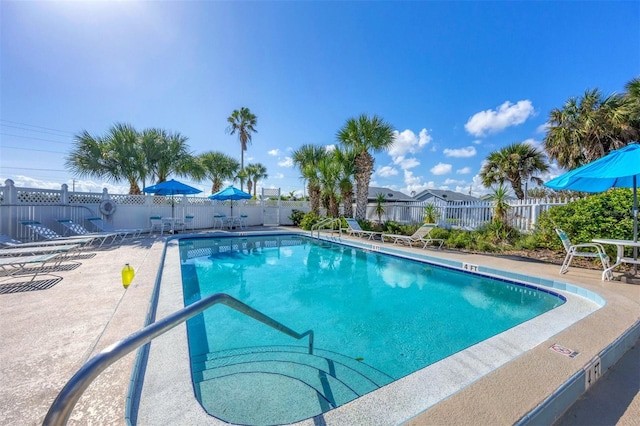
47,335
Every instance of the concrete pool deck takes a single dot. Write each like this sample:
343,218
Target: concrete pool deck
47,335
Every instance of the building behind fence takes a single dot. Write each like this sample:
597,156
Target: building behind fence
133,211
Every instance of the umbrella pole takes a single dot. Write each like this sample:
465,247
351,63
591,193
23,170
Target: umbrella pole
635,224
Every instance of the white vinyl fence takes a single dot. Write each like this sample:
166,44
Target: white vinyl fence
133,211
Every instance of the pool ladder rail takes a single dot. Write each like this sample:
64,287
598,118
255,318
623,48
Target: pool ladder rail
328,223
66,400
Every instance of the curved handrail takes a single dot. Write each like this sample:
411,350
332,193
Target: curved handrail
327,221
61,408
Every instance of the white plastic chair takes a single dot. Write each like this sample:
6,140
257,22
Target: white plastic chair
219,220
188,222
158,224
574,250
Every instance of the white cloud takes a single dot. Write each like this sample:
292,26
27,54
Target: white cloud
493,121
406,163
274,152
410,179
329,148
461,152
543,128
464,171
441,169
534,143
407,142
477,141
287,162
387,171
453,182
278,176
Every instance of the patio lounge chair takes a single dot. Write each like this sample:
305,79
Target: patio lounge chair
11,266
573,250
8,242
354,228
420,236
78,229
65,249
103,226
49,234
219,220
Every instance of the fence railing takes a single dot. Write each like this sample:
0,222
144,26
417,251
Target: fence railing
133,211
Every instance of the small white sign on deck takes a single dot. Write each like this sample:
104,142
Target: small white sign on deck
563,351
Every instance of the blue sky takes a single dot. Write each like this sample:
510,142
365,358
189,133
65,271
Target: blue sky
457,80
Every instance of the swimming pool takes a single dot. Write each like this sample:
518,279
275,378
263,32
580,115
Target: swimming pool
377,318
162,390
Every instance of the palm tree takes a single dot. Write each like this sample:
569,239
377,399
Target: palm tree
307,158
255,172
362,135
516,163
346,159
380,206
218,167
115,156
172,156
242,122
499,198
329,174
588,128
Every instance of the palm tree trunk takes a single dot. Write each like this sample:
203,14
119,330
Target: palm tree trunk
364,165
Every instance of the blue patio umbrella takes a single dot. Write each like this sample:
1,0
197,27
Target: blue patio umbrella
230,193
618,169
171,187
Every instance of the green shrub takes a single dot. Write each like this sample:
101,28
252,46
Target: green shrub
605,215
296,217
309,220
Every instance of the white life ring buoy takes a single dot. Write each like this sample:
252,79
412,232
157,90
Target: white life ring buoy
107,207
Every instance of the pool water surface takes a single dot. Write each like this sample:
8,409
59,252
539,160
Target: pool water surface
376,318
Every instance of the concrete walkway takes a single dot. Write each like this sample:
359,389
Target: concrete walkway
46,335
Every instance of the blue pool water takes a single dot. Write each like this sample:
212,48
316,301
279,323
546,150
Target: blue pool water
376,318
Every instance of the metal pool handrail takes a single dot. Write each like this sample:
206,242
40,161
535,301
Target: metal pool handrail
328,221
61,408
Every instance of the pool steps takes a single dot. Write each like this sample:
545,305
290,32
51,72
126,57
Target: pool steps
324,380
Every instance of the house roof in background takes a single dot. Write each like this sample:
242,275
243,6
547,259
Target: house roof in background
444,195
389,194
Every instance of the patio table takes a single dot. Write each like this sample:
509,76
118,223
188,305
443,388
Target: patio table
620,259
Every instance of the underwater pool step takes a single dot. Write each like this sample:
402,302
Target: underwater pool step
376,376
281,380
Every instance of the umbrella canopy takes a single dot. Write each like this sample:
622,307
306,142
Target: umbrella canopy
171,187
618,169
230,193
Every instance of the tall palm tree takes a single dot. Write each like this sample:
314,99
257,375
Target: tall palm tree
255,172
516,163
115,156
346,159
365,135
242,122
588,128
307,158
329,176
218,167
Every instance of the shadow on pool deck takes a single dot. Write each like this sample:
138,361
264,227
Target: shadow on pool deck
48,334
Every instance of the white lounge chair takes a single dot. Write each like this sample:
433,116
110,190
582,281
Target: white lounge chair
103,226
49,234
78,229
354,228
8,242
219,220
420,236
12,266
65,249
573,250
